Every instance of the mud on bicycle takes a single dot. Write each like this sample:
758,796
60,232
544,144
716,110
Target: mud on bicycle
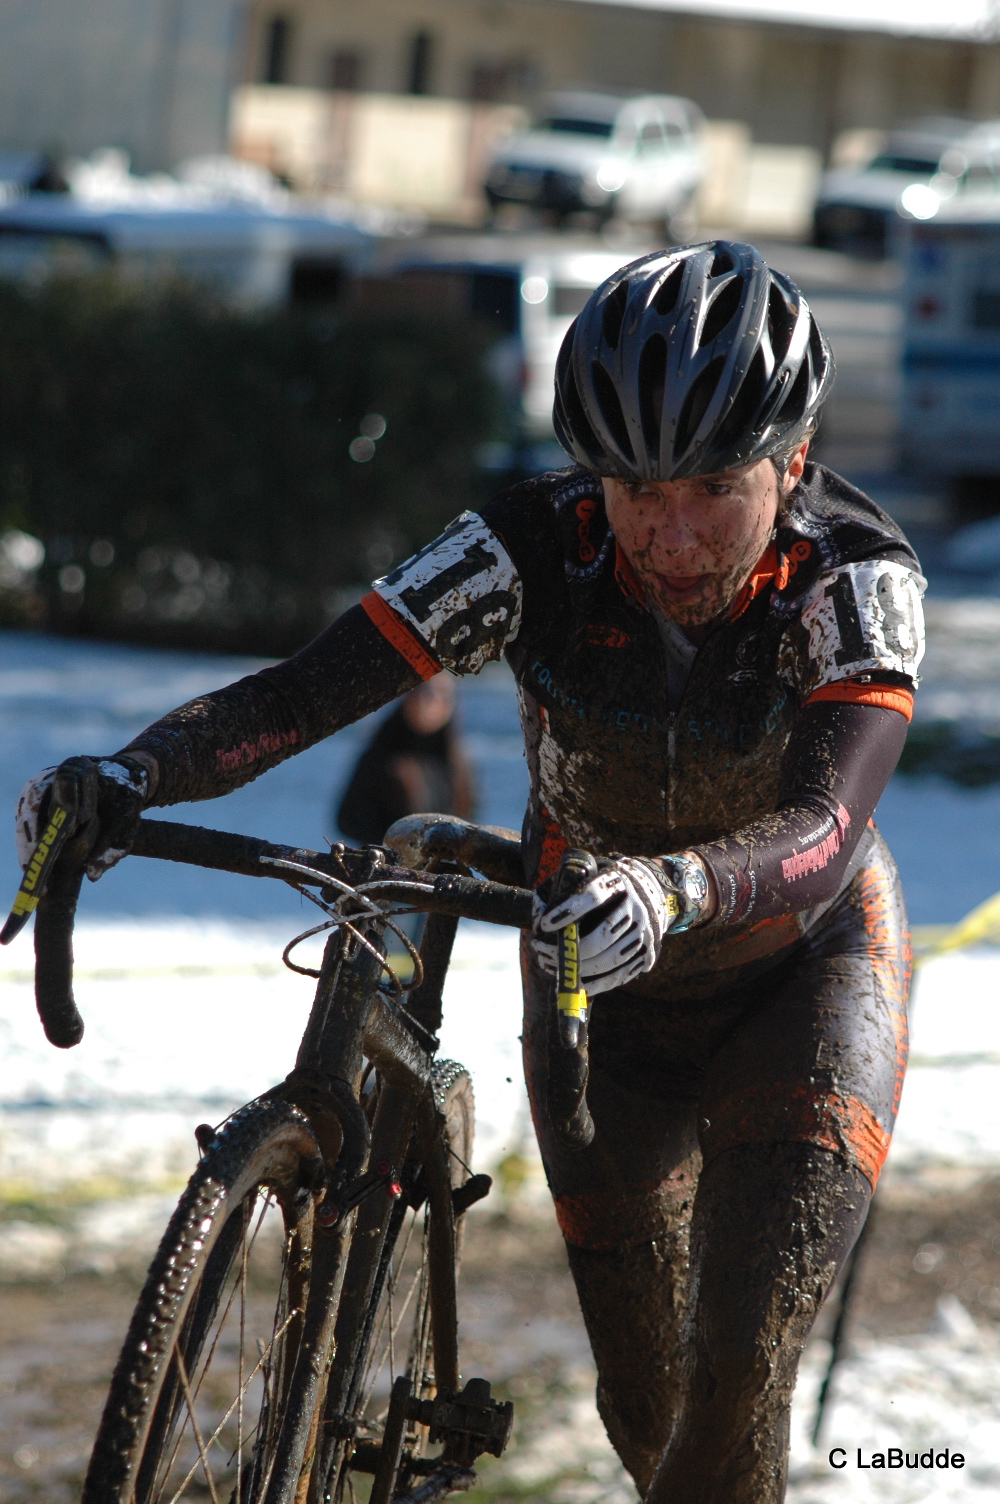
296,1340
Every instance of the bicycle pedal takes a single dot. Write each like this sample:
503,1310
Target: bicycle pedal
468,1423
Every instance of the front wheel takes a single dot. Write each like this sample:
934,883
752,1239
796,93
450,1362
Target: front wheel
396,1340
197,1396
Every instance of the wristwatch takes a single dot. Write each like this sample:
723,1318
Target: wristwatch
689,886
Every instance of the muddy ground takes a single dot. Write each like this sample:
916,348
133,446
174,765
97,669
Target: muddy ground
521,1328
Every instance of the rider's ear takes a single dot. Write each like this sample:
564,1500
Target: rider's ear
794,467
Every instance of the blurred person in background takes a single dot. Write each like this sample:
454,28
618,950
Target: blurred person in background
415,763
716,644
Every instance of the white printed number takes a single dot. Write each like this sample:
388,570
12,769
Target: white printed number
461,594
865,616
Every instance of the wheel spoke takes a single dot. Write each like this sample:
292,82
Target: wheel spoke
381,1349
249,1380
203,1454
243,1329
220,1324
380,1352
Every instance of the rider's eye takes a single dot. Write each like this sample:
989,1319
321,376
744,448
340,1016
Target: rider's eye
717,488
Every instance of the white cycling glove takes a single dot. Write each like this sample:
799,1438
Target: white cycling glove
28,816
623,914
122,788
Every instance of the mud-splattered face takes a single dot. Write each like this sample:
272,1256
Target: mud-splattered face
693,543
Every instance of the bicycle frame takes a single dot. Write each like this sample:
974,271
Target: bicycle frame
352,1023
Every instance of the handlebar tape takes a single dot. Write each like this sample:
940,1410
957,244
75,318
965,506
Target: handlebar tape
447,893
54,957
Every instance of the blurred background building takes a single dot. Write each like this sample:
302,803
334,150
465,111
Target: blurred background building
348,96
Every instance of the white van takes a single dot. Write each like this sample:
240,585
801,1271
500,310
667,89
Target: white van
250,254
950,422
529,289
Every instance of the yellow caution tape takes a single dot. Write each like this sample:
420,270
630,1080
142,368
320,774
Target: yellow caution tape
981,923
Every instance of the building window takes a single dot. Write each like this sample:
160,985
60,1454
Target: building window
488,82
277,40
503,78
346,69
419,71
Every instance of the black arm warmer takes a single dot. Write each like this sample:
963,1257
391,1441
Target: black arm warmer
229,737
838,761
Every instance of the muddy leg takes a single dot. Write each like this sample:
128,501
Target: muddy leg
624,1207
772,1225
632,1300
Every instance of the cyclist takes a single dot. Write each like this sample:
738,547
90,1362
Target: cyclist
716,644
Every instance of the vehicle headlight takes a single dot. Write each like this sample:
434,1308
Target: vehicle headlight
610,176
919,201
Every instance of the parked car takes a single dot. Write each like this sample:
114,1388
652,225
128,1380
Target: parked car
527,290
251,255
640,159
857,209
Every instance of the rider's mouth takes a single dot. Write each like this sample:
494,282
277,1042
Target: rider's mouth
680,587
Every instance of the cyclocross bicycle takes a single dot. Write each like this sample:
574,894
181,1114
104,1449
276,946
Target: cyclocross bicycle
296,1340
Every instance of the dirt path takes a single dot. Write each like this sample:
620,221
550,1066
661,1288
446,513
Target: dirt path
521,1329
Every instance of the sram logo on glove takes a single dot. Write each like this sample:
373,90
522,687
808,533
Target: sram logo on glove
621,917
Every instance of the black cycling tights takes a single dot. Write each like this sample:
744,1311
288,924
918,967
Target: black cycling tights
738,1141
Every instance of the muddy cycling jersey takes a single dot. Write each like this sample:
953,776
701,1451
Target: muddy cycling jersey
789,722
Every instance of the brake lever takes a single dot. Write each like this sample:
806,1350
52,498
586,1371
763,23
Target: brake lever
576,869
71,804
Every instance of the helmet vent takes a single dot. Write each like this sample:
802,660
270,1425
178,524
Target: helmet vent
737,428
798,398
577,424
819,356
696,404
723,262
666,294
652,380
723,306
780,323
613,314
611,410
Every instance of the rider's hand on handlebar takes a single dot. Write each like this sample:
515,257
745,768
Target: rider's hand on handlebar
121,790
623,914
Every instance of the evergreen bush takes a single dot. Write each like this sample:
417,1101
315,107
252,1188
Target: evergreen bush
204,478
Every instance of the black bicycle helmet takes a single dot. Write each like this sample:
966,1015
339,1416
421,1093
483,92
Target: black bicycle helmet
689,361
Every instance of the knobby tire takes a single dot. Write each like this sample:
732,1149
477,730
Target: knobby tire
178,1425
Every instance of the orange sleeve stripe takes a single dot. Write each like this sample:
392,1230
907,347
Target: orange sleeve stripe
404,640
887,696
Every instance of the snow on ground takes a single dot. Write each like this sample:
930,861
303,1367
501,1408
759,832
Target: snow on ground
186,1021
189,1012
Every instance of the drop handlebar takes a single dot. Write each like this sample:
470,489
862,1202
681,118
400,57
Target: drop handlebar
166,840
